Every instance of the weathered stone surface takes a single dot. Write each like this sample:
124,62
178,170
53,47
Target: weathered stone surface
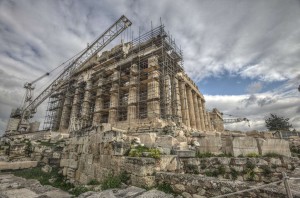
178,188
17,165
243,146
197,196
16,187
185,153
279,146
148,139
186,195
47,168
155,194
19,193
131,191
143,181
210,144
166,141
168,163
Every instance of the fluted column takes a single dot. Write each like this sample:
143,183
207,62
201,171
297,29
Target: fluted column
191,108
201,114
197,113
132,96
167,95
98,107
75,109
184,104
86,100
153,95
205,115
208,121
132,99
112,116
177,108
65,117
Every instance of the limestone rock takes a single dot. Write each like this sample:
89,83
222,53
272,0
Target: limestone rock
131,191
197,196
186,195
155,193
46,169
178,188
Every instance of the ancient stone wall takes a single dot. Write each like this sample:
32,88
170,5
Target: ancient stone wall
266,169
198,186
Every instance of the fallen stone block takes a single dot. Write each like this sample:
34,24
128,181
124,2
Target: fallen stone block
155,193
210,144
278,146
148,139
241,146
144,181
166,141
185,153
17,165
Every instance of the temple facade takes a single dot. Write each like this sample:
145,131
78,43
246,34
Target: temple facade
137,84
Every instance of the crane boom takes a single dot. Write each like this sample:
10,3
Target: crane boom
111,33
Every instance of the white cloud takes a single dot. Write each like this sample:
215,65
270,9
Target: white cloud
256,108
254,87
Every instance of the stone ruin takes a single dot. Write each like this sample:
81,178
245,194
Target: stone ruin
139,98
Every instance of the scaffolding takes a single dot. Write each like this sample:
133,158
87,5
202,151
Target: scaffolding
124,80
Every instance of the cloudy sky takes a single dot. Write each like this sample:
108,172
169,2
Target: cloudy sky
244,55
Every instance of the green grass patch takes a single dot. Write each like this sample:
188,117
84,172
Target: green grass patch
234,174
249,171
93,182
139,150
220,170
111,181
191,168
78,190
165,187
205,155
274,155
124,177
252,155
266,170
59,180
208,154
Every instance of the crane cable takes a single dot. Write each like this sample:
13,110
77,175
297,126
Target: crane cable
64,63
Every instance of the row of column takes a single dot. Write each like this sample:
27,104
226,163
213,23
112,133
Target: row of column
70,111
193,111
189,108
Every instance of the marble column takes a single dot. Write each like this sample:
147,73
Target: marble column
205,115
167,96
66,111
177,101
184,104
191,108
112,116
75,109
86,100
201,114
98,107
209,121
197,112
132,100
153,92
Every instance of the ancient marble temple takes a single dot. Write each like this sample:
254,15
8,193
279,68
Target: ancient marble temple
133,86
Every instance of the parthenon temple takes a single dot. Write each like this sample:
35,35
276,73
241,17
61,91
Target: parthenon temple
137,84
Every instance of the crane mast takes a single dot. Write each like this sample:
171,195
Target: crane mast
110,34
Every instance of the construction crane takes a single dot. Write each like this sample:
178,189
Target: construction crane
29,90
234,120
28,110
